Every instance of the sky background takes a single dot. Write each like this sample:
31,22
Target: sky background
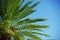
49,9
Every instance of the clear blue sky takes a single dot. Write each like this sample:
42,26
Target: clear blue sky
49,9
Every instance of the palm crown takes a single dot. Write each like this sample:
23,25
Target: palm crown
11,24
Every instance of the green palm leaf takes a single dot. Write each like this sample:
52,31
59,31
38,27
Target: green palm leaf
31,35
34,5
33,26
26,11
18,37
40,34
26,5
28,20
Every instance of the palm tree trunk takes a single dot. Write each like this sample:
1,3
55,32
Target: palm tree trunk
3,34
5,37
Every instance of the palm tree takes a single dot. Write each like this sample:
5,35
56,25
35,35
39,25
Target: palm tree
12,24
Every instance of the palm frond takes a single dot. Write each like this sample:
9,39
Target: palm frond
10,8
31,35
18,37
21,9
33,26
11,12
17,6
26,11
34,5
28,20
26,5
39,33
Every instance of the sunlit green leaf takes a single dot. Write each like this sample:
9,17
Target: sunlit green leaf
31,35
30,21
34,26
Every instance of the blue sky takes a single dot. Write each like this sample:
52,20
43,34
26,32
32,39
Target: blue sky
49,9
